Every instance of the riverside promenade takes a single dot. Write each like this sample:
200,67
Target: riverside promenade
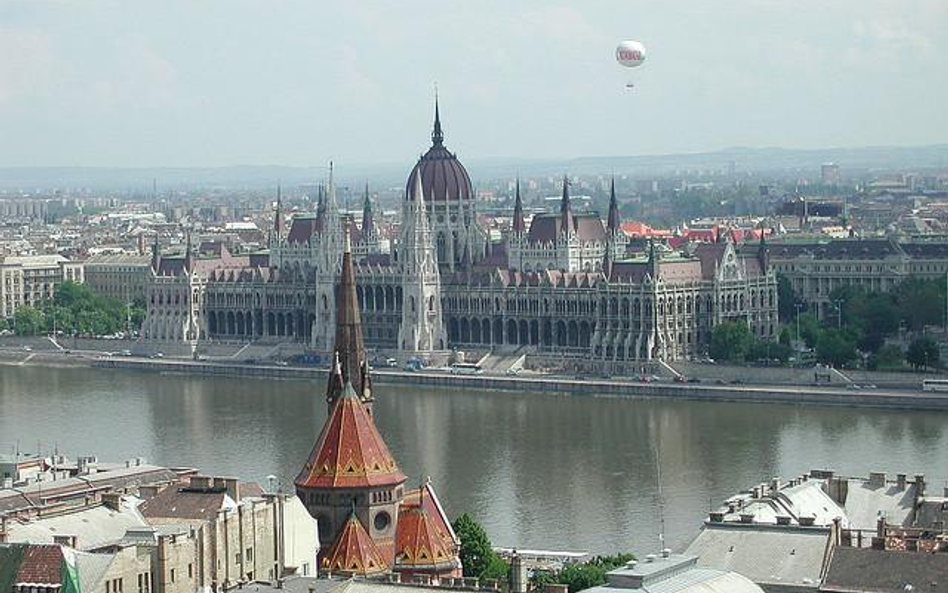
802,394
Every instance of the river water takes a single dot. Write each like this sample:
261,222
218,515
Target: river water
537,470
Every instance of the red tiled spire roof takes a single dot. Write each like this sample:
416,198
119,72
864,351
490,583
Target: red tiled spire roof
354,551
350,452
420,543
348,346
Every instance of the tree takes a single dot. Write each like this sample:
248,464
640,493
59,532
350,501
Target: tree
886,358
477,555
785,337
835,347
921,302
923,352
809,329
579,576
28,321
730,341
786,299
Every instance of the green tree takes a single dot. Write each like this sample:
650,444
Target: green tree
809,329
579,576
835,347
922,352
28,321
730,341
786,299
887,358
477,555
921,302
785,336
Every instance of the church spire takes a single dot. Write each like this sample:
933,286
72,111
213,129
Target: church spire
155,255
518,224
348,347
437,136
614,221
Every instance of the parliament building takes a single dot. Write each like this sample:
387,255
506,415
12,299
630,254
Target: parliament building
566,287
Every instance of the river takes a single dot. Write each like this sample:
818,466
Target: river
537,470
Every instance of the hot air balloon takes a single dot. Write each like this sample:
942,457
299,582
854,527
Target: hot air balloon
630,54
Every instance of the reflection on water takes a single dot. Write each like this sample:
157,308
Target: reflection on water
537,470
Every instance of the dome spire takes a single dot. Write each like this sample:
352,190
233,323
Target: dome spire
437,136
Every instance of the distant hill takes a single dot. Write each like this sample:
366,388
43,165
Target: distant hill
775,161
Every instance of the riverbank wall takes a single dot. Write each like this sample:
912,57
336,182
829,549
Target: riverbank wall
796,395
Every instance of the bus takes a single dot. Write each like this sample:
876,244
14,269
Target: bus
935,385
466,368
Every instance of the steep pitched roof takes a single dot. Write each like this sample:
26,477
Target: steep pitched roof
348,345
354,551
350,452
420,544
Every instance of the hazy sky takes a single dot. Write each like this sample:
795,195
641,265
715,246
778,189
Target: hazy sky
222,82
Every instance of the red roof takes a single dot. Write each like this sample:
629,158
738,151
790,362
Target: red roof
350,452
354,551
421,544
41,565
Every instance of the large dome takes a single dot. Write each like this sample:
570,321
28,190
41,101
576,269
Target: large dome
443,177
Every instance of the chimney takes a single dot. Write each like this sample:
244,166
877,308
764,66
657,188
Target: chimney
807,521
716,517
200,482
666,552
148,491
111,500
69,541
783,520
747,517
877,479
900,481
775,485
880,527
232,488
518,574
919,484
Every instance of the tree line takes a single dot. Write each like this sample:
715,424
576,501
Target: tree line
76,309
860,328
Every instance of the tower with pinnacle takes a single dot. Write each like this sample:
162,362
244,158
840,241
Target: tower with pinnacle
422,327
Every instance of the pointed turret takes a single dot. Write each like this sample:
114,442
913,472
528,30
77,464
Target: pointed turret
368,218
652,260
350,452
155,255
320,207
518,224
278,216
348,346
188,261
763,253
566,210
354,552
613,223
437,136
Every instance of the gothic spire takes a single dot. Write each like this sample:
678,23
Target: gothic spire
187,251
437,136
348,347
518,224
368,219
613,221
566,210
278,216
155,254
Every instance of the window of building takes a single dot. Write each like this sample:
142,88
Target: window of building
249,555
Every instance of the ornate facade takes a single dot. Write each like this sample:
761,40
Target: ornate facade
565,285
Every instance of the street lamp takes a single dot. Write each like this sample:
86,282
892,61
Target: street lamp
839,313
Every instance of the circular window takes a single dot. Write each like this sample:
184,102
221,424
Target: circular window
382,520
